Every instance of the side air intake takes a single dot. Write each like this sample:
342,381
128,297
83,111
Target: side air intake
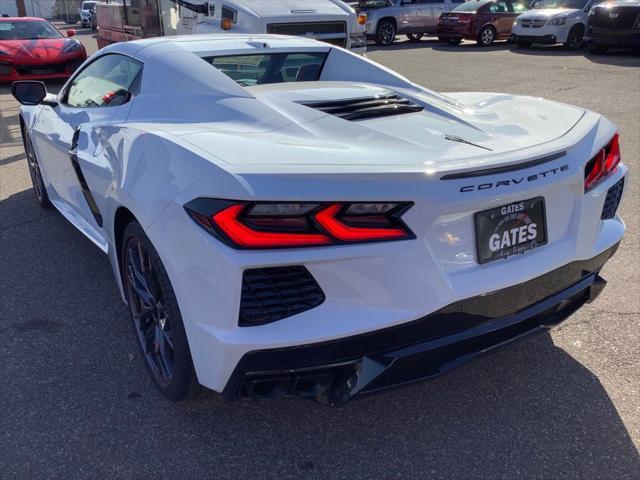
368,107
270,294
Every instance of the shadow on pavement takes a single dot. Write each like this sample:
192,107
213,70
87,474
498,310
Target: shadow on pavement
432,42
620,58
76,396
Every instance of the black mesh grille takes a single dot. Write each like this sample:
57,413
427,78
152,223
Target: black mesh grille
368,107
40,69
612,201
606,17
302,29
48,69
270,294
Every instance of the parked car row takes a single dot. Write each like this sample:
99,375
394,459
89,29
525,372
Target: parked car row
567,22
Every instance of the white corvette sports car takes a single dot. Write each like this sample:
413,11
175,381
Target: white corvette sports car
285,217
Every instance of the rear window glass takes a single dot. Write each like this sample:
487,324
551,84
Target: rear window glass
259,69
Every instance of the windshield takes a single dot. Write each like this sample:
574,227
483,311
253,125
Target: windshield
372,4
259,69
88,5
28,30
573,4
469,6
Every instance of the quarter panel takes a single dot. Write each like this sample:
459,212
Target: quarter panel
136,169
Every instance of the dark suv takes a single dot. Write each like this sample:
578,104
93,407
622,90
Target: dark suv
614,24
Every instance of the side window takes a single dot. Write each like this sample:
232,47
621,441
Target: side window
498,7
106,82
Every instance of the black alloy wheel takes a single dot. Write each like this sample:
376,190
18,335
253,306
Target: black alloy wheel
39,189
415,37
575,38
155,316
385,33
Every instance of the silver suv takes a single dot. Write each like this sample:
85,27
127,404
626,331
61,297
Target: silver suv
413,18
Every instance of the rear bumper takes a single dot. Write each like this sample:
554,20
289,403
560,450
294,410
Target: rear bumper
335,371
446,32
450,36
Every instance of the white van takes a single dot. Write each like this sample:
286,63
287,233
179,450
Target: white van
553,21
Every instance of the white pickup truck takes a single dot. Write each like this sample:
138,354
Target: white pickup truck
331,21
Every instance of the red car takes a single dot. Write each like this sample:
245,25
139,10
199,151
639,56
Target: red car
483,21
32,48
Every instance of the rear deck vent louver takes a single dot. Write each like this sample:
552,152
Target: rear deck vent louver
368,107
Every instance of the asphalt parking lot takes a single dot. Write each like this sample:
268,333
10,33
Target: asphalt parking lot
76,401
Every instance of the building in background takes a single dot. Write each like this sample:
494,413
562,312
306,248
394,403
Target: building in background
30,8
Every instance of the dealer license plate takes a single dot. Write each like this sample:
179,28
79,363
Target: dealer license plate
512,229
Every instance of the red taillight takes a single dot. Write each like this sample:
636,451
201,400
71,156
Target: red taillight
327,218
602,164
613,153
464,19
286,225
228,220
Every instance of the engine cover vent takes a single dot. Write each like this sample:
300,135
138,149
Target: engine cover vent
367,107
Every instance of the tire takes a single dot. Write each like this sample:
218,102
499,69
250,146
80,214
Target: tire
523,44
385,33
155,316
39,189
415,37
575,39
597,49
486,36
454,41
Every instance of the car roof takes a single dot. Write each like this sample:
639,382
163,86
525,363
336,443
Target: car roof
212,44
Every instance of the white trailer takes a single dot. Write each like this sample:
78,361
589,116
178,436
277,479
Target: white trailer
331,21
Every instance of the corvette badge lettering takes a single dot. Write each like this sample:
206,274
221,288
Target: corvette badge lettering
513,181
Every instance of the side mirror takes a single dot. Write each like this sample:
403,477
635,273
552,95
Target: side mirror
71,32
28,92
